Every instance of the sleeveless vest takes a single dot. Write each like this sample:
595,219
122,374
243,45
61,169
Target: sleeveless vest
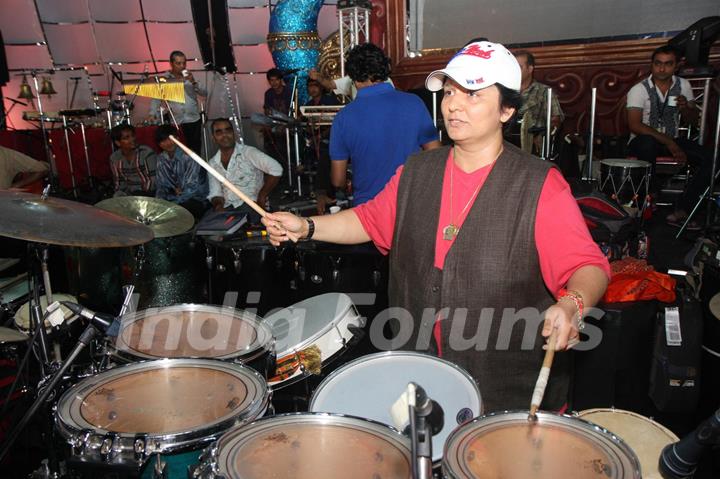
491,283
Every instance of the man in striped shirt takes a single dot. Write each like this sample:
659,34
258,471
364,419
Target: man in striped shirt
132,165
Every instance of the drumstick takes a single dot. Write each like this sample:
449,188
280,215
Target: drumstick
544,375
251,203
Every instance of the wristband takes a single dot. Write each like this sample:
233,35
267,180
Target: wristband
311,228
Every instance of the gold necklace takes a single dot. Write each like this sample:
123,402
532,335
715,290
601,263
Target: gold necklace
451,230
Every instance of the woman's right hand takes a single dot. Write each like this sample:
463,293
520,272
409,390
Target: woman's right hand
283,226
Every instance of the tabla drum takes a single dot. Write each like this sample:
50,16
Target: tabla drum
643,435
156,411
324,325
22,317
627,181
318,446
256,271
196,331
370,385
507,445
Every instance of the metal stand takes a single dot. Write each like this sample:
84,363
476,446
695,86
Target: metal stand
48,153
421,438
91,180
591,139
69,156
708,193
353,21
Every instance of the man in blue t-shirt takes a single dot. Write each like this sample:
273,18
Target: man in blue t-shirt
379,129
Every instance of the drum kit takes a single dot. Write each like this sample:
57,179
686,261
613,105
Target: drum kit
187,390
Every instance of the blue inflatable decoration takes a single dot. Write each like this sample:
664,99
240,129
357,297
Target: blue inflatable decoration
293,40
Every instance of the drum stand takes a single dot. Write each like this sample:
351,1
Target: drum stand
708,193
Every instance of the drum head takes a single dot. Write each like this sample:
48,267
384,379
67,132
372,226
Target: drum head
624,163
22,317
8,335
298,326
174,401
192,331
644,436
508,445
370,385
320,446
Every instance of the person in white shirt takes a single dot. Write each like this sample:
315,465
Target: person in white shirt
252,171
655,108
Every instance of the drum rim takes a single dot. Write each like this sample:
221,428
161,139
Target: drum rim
387,354
215,451
264,343
18,339
633,460
312,339
627,163
660,427
165,442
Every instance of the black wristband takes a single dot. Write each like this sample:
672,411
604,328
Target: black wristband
311,228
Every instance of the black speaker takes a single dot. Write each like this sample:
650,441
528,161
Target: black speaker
224,60
4,73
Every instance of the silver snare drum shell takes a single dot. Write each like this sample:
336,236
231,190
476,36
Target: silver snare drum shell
328,321
195,331
370,385
125,414
506,444
317,445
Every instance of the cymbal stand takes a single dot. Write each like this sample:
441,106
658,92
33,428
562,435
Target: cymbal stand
48,153
591,141
69,156
708,193
90,178
43,254
296,139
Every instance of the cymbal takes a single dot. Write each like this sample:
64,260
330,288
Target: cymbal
714,306
66,223
163,217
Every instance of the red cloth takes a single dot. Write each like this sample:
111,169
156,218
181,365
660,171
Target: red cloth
562,238
635,280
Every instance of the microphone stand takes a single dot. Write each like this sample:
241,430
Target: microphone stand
421,437
84,340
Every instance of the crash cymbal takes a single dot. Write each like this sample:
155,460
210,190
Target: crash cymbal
55,221
715,306
163,217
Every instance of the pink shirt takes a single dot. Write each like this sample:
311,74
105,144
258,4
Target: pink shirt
561,236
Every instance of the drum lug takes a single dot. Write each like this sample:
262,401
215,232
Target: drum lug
139,447
80,442
209,260
237,264
108,446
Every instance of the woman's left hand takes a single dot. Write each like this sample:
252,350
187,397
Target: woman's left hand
561,315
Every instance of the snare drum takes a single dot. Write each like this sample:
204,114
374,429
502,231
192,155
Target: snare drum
122,417
627,181
318,446
507,445
22,317
370,385
196,331
328,322
646,437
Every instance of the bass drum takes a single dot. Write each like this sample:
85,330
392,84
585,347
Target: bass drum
318,446
369,386
508,445
120,420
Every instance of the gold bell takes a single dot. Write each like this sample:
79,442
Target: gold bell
25,91
46,88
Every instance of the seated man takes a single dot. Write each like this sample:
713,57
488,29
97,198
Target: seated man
179,177
654,108
252,171
18,171
277,99
533,111
132,165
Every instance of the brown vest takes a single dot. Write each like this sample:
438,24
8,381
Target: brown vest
492,265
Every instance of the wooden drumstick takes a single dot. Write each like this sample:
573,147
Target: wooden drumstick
544,375
220,178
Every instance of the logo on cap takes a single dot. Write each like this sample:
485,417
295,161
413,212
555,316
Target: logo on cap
476,51
475,81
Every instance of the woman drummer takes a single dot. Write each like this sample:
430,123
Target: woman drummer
488,249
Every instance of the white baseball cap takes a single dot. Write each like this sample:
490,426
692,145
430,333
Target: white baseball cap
479,65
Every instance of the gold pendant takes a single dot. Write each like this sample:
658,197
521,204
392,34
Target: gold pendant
449,232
